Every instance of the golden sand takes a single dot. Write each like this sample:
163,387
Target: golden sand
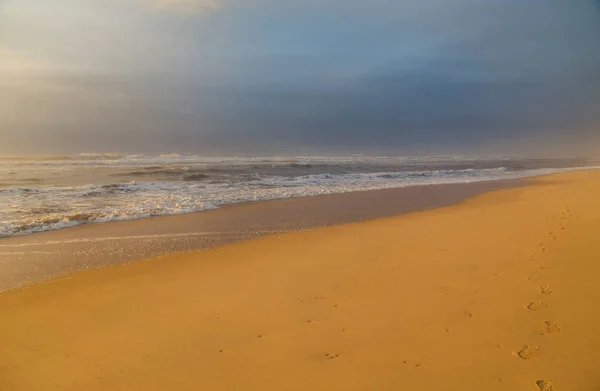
499,293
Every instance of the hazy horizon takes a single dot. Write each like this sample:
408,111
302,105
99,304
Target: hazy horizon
265,78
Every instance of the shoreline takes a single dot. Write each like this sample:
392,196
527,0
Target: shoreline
30,259
230,204
497,293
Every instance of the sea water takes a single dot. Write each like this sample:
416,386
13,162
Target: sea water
39,194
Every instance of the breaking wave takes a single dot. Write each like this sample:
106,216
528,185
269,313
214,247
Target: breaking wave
91,188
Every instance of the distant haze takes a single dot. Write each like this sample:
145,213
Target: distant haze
300,76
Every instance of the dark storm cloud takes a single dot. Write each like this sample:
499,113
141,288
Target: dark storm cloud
263,76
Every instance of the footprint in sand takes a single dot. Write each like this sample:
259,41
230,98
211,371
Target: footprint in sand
552,327
546,290
332,356
534,276
528,352
537,305
545,266
545,385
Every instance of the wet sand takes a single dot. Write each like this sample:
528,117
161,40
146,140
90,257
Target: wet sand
497,293
34,258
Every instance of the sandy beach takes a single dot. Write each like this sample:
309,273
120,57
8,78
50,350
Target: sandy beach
30,259
498,292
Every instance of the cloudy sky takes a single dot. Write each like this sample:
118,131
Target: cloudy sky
299,76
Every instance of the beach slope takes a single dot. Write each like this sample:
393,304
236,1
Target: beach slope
498,293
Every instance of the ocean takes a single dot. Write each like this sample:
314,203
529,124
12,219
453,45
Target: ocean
55,192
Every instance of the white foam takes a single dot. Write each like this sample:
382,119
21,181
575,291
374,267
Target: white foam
26,210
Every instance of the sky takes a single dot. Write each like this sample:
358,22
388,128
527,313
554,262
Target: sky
265,77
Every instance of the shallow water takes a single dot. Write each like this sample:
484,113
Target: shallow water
49,193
